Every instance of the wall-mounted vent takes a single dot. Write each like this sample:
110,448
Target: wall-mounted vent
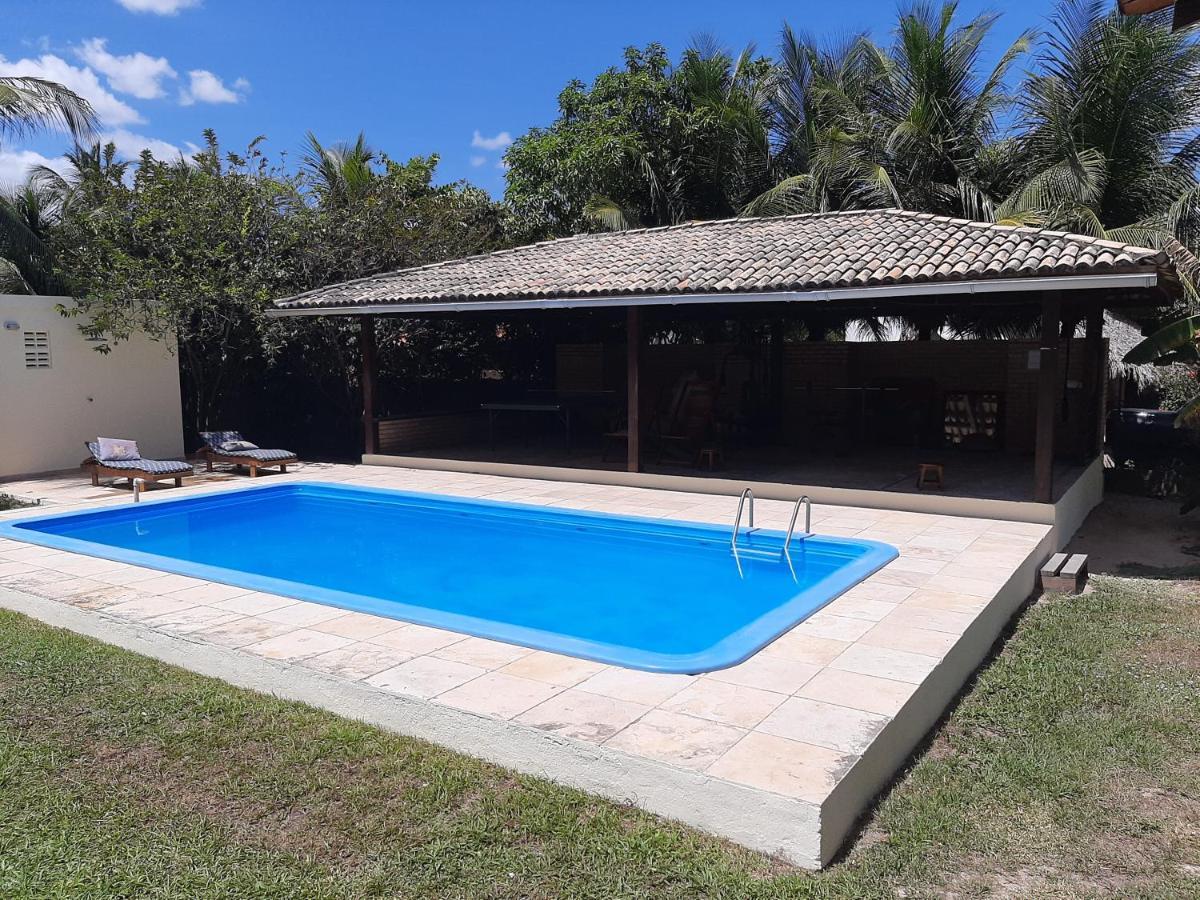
37,350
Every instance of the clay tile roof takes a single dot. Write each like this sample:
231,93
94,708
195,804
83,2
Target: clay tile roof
860,249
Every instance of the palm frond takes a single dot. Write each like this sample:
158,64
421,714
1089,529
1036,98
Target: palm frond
609,214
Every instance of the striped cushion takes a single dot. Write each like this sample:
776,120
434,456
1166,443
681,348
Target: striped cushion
150,466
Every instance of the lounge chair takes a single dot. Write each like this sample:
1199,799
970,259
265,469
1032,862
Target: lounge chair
137,467
231,447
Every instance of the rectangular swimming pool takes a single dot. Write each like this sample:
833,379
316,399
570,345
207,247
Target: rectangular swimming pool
651,594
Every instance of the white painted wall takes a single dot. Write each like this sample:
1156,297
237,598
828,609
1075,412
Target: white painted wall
47,414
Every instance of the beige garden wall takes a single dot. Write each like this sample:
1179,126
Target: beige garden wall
46,413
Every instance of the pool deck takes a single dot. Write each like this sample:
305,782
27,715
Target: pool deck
782,753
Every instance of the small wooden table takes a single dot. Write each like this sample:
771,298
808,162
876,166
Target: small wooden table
931,476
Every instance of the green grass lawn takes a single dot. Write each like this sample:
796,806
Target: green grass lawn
1072,768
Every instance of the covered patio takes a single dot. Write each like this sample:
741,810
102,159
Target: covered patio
719,355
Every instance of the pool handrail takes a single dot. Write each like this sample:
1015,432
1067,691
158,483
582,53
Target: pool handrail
806,502
737,521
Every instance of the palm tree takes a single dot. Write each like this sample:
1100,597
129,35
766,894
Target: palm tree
1109,130
912,125
339,173
89,169
26,105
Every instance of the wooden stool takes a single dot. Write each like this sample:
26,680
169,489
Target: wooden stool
931,476
708,457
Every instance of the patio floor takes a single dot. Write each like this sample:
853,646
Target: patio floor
782,752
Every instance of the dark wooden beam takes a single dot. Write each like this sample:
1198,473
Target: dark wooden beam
1096,366
366,341
633,346
1043,454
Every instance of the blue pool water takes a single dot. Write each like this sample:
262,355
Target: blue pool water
642,593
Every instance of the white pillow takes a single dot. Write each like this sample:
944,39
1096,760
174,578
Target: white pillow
237,446
115,450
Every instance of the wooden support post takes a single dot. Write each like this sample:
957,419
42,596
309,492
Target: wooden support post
633,344
366,342
1096,366
1043,455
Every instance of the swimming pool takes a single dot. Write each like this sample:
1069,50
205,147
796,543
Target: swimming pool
651,594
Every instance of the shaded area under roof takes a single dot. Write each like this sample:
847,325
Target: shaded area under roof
827,256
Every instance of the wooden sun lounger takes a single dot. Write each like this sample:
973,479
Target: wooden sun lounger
146,469
251,459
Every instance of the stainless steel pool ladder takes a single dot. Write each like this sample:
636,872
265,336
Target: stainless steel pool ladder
805,502
737,522
138,485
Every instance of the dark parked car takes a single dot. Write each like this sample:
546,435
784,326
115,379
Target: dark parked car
1142,434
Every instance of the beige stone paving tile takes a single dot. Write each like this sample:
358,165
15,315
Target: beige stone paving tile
30,553
882,662
895,578
498,695
105,596
360,626
208,593
917,564
33,582
978,587
962,603
885,696
62,588
425,677
942,541
487,654
13,569
824,724
553,668
128,575
197,618
929,553
719,701
912,639
242,632
875,589
356,661
677,739
650,688
1026,529
148,606
302,613
805,648
86,566
782,766
944,620
169,582
854,607
767,673
583,716
417,639
297,644
254,603
838,628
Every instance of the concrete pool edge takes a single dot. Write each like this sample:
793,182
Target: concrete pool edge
764,821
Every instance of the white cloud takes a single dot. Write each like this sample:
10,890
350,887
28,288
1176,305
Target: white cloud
82,81
478,161
205,87
158,7
131,145
136,73
15,165
499,142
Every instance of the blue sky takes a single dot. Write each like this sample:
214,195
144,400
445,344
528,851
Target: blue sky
456,78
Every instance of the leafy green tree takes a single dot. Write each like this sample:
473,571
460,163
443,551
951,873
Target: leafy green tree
646,144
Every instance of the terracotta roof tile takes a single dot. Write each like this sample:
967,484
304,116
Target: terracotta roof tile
786,253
